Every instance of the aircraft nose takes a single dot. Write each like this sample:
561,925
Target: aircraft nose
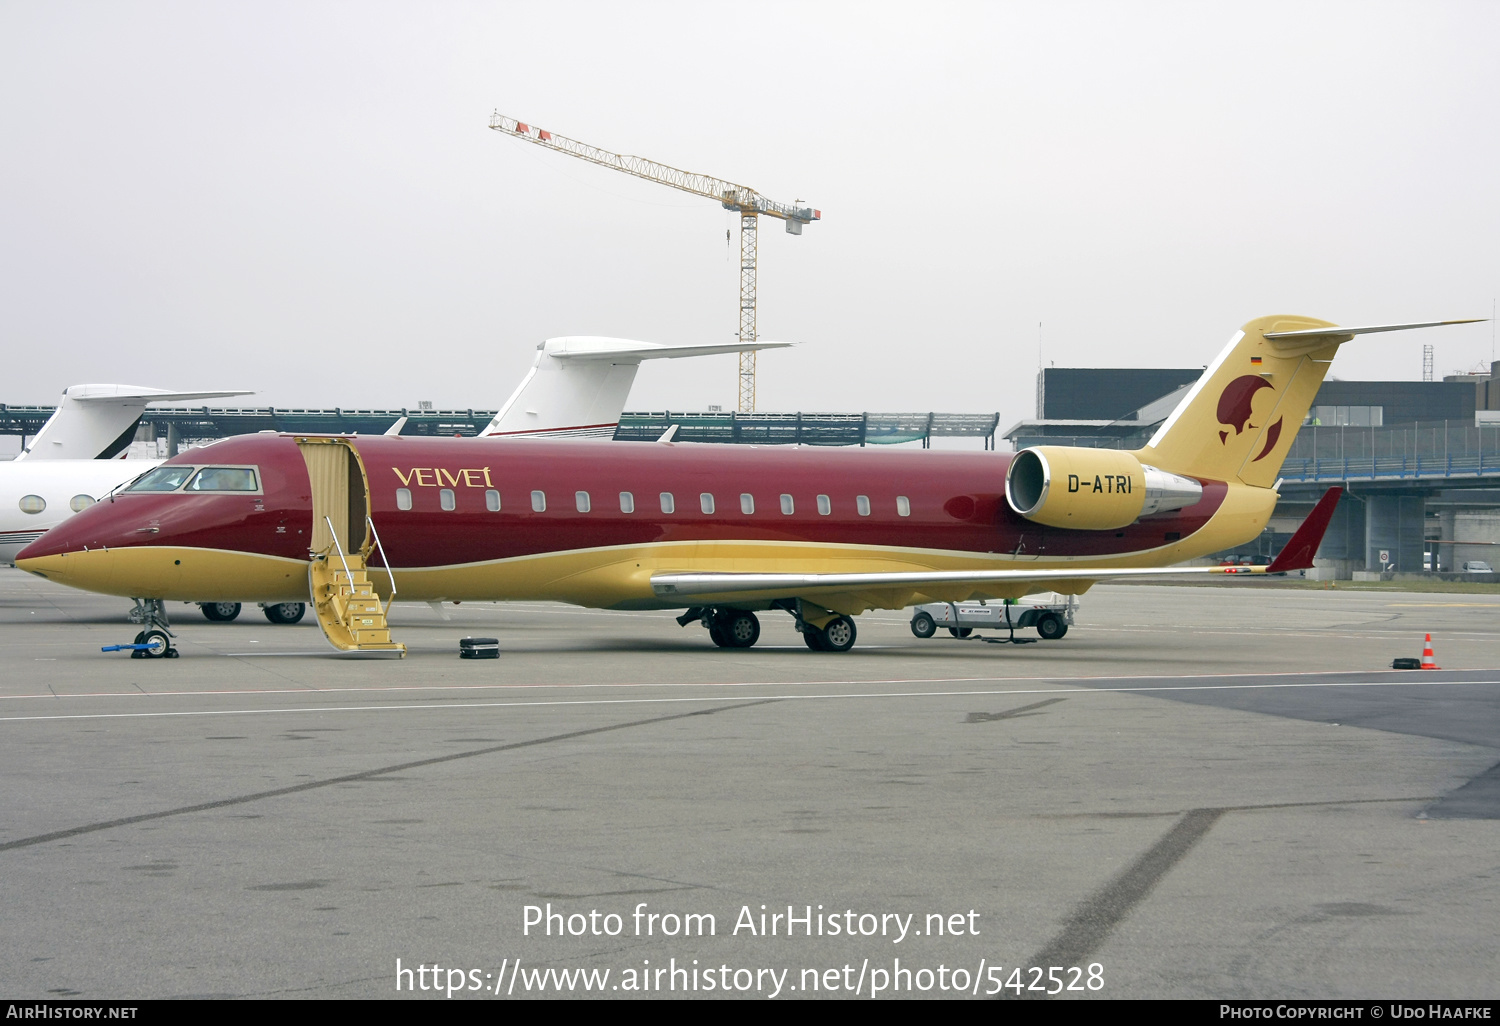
85,551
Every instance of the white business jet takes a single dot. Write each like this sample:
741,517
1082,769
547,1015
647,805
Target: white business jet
71,461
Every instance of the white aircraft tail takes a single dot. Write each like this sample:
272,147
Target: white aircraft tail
578,384
96,422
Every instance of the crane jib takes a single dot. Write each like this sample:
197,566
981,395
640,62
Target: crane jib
749,203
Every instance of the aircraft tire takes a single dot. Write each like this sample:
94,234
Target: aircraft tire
838,635
718,636
813,639
1051,627
923,625
960,632
220,612
285,612
741,629
161,644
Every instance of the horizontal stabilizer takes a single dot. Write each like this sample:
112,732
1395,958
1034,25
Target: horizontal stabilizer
592,347
137,394
1298,553
1334,333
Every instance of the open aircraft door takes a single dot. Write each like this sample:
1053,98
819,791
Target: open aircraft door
350,612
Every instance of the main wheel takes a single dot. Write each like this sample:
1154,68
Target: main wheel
717,635
923,625
159,642
1051,627
813,639
220,612
741,629
285,612
960,632
838,635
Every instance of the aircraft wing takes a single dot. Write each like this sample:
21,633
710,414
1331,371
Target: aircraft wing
1296,555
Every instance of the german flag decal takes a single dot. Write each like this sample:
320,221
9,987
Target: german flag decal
1255,361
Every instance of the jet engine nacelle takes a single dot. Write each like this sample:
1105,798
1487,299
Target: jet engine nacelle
1092,489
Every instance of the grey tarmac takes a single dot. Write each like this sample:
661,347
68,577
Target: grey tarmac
1211,792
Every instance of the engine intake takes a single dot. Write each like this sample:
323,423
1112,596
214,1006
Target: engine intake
1092,489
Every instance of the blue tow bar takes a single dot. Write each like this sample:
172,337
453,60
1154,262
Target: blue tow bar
126,648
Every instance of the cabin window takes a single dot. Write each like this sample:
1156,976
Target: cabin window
668,504
403,498
627,502
79,503
903,506
224,479
492,500
32,504
162,479
787,506
824,506
747,503
446,499
539,502
706,502
862,503
581,501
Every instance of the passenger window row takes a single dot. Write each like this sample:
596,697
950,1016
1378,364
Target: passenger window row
666,500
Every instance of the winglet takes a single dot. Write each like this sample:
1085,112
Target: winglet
1298,553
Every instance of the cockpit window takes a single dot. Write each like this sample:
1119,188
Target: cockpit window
162,479
224,479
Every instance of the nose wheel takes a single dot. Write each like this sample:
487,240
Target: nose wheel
155,642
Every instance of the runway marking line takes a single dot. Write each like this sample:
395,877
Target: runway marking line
309,690
436,707
313,785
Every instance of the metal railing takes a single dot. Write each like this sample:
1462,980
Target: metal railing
385,561
338,547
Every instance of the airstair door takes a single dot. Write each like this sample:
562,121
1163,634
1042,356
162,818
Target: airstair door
351,614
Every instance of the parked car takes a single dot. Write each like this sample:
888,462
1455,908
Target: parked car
1477,566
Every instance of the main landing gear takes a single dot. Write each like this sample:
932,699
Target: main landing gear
837,635
728,628
276,612
740,628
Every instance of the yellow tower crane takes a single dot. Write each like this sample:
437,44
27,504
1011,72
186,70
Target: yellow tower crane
747,201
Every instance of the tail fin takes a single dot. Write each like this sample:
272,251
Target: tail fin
578,384
96,422
1240,419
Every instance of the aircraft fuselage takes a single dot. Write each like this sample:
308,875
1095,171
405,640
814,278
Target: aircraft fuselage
590,522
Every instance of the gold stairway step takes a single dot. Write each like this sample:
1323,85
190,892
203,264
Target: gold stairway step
348,609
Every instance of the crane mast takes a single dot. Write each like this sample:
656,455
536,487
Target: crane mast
749,203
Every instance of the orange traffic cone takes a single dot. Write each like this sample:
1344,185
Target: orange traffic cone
1428,662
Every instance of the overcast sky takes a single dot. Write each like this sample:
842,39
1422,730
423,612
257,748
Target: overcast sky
305,199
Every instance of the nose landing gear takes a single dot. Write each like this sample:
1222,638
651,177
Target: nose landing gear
155,642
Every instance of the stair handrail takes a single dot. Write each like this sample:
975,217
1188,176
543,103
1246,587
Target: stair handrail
380,548
338,547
